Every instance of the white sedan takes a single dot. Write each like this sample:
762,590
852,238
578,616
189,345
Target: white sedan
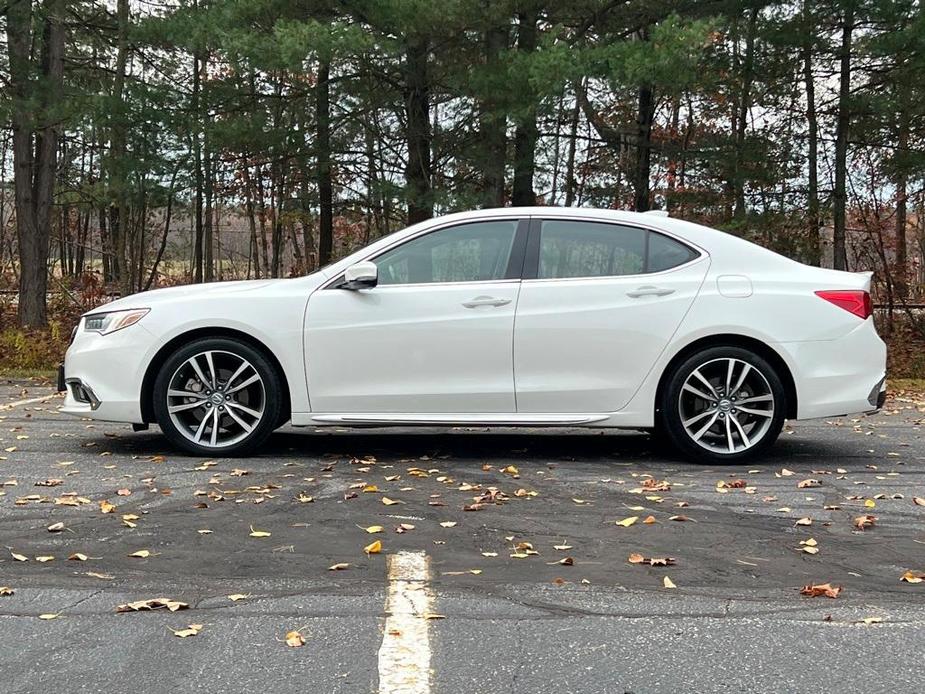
507,317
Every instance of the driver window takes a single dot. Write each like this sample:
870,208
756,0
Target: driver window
475,252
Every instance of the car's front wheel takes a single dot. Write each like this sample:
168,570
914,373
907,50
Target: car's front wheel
722,405
217,396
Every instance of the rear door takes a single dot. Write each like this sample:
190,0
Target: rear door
598,304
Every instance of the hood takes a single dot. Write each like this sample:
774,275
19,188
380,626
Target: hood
199,291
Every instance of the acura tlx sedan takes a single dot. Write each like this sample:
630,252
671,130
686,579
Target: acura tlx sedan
508,317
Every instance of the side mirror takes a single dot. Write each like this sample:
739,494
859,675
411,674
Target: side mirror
364,275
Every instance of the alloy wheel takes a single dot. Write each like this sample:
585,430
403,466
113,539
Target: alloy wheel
726,406
216,398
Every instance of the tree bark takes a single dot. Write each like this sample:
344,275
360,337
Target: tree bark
812,154
748,67
197,165
493,127
418,174
902,144
839,195
323,149
526,133
34,147
645,115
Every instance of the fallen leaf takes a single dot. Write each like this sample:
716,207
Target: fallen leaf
141,554
864,522
153,604
237,596
6,590
374,529
294,639
258,533
918,501
806,484
872,620
511,470
373,547
19,557
448,524
56,527
45,558
649,520
913,577
303,498
815,590
77,556
124,492
627,522
370,489
804,521
191,630
870,503
49,616
636,558
390,502
338,567
668,582
106,507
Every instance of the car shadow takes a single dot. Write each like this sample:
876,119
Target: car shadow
488,445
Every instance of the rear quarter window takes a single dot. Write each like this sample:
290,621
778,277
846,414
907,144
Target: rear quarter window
666,253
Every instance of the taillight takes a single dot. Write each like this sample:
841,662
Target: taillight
854,301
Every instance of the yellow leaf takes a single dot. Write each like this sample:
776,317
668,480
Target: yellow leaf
811,542
669,583
627,522
259,533
19,557
374,529
370,489
390,502
77,556
373,547
294,639
45,558
237,596
49,616
870,503
511,470
191,630
304,498
106,507
141,554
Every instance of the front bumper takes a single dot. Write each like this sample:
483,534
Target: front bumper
102,375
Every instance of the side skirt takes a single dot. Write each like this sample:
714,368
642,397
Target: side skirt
451,419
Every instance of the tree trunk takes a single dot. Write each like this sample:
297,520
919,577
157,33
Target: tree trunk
812,154
526,133
418,134
839,195
34,147
645,115
748,63
197,165
570,183
493,127
902,144
208,257
323,149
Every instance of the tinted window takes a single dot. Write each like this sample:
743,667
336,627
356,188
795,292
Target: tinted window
590,249
465,253
666,253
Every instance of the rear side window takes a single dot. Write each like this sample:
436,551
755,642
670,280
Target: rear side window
570,249
589,249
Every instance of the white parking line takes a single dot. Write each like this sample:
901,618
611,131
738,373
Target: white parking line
404,657
17,403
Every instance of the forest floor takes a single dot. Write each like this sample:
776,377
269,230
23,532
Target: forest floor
530,590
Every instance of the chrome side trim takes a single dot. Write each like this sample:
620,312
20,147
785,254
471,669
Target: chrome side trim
453,419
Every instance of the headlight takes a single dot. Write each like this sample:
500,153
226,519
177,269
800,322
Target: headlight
105,323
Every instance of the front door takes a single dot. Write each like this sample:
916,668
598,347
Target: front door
434,336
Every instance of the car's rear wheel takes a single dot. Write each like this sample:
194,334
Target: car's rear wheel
723,405
217,396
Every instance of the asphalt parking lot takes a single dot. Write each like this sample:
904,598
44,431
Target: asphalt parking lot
511,573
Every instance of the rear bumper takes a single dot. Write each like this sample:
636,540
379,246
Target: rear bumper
837,377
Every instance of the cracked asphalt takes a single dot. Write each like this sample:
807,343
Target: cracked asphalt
734,622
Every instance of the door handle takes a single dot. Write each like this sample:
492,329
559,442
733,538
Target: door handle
649,290
485,301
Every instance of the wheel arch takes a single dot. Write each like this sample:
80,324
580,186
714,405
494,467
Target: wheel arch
760,348
147,386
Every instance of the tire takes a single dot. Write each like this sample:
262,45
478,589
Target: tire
246,397
705,422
